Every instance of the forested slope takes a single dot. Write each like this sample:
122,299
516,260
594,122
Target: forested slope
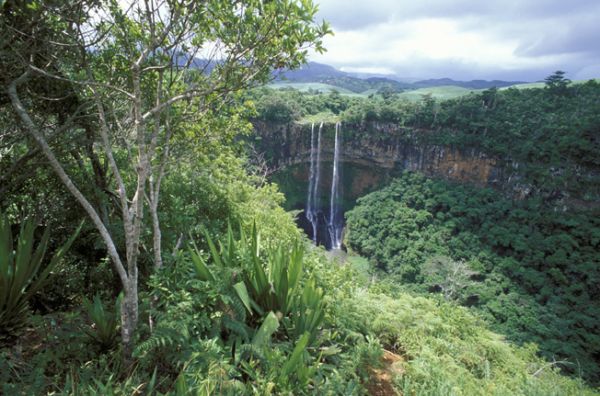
532,271
142,253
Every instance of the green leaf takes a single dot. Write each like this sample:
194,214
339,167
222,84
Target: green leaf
58,256
202,270
19,278
296,358
266,330
213,249
242,292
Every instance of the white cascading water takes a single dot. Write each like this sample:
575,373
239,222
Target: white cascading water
335,226
312,204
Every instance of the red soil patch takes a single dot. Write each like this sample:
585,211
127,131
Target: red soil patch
381,379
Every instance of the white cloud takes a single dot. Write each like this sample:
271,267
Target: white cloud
462,38
368,70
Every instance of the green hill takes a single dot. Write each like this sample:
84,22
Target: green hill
440,93
540,84
314,86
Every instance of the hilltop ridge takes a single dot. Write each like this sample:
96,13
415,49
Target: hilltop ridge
314,72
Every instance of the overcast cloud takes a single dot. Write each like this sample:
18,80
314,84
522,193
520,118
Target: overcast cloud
464,39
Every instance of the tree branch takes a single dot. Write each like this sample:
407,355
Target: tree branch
65,179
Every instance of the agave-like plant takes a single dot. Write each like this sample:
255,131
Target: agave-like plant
104,322
270,282
19,277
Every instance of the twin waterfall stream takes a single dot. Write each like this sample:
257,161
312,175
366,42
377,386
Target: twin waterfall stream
335,222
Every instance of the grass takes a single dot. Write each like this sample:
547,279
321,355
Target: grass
542,84
449,351
304,87
444,92
441,93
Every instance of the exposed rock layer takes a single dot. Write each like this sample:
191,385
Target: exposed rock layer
372,153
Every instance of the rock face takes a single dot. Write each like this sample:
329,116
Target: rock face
371,154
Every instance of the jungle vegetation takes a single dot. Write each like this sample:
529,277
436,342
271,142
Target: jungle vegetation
530,270
142,253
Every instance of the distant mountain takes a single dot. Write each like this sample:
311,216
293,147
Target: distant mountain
320,73
310,72
314,72
361,82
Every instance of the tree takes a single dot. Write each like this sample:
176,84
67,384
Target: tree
141,73
449,275
556,82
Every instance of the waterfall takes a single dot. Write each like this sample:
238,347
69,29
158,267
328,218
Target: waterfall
312,204
318,174
335,224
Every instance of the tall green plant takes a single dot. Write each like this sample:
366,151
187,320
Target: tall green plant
105,322
19,267
270,282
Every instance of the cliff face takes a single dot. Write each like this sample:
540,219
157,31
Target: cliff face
371,154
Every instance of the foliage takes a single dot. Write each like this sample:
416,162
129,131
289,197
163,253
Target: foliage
254,293
450,276
137,83
98,92
276,109
557,82
531,270
543,140
547,141
19,267
450,351
103,330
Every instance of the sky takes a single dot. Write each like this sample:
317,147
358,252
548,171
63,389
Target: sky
524,40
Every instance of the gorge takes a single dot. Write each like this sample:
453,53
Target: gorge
519,233
307,160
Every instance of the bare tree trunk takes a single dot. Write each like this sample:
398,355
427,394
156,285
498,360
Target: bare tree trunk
156,237
129,278
129,317
153,208
177,245
154,186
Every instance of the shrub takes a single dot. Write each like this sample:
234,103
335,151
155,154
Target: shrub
103,331
19,278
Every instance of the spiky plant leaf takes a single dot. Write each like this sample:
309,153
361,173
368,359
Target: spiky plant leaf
213,249
231,248
242,293
266,330
202,270
19,278
104,322
295,265
295,360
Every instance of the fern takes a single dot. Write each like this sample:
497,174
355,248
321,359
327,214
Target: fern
161,339
237,327
250,351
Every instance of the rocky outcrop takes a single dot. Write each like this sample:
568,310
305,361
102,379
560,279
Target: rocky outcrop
374,153
371,153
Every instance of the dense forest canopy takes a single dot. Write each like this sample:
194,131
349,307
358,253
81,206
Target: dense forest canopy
143,250
526,261
531,270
